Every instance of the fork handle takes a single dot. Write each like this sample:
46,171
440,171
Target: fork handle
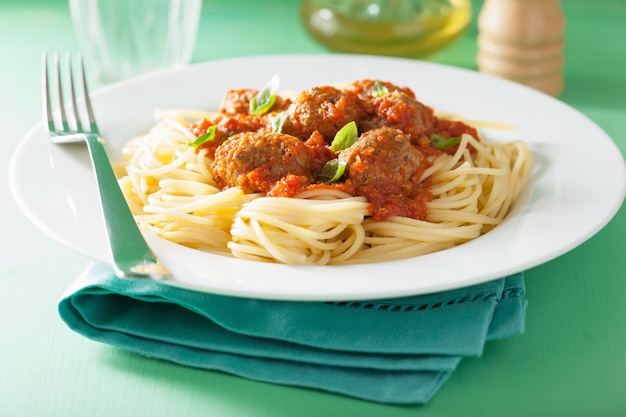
129,249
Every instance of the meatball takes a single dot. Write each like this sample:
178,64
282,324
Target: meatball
325,109
238,102
228,125
364,89
400,110
386,168
255,161
383,158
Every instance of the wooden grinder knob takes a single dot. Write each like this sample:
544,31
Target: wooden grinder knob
522,40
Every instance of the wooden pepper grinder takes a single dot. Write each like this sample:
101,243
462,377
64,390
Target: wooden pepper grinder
522,40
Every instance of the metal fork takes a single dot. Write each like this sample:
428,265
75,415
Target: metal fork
131,255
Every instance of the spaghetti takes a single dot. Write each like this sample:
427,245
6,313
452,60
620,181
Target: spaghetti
219,196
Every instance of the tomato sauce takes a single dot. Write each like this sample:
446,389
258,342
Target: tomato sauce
385,165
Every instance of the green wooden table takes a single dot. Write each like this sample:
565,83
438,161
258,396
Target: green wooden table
571,361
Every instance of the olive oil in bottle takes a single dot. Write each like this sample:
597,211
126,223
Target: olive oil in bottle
386,27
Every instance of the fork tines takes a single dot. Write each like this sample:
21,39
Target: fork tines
63,123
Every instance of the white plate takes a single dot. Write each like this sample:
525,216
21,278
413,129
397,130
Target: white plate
577,186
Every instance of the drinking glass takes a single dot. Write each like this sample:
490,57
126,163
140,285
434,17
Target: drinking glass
123,38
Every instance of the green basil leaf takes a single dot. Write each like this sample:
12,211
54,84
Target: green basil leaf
264,99
277,122
379,90
345,137
439,142
207,137
332,171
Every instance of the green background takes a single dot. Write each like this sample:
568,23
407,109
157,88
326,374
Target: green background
571,361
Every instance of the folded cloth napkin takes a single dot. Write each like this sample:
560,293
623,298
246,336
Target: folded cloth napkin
397,350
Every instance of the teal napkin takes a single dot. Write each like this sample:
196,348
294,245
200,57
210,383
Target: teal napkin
396,351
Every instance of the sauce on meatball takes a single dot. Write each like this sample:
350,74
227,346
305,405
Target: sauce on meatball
255,161
386,168
385,164
324,109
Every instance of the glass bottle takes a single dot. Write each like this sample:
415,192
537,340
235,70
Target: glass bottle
386,27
